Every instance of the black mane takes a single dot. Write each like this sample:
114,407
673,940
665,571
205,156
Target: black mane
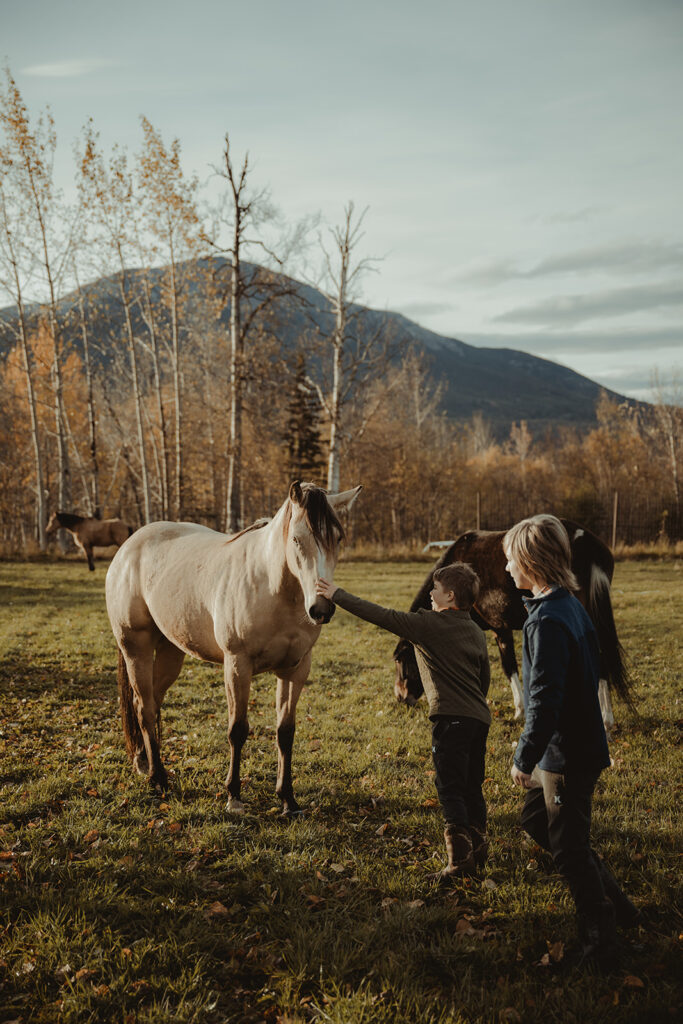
321,517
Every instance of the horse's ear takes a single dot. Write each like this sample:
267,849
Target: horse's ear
343,501
295,493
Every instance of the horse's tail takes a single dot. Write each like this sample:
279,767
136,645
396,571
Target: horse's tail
614,665
132,733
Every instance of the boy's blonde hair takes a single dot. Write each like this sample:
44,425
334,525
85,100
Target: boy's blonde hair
540,546
462,580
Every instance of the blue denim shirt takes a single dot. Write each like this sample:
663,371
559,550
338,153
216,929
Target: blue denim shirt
561,672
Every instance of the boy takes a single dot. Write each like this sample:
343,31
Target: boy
563,747
454,667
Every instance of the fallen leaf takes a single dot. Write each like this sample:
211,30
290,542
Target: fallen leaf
415,904
85,974
91,836
464,927
556,951
218,909
388,901
490,884
430,802
632,981
337,867
382,829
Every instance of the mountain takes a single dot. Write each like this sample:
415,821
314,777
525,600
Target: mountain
505,385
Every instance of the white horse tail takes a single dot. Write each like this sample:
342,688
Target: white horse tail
614,668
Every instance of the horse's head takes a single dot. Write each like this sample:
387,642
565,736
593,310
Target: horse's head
53,524
313,535
408,684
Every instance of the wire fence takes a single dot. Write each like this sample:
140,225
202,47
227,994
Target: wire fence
616,519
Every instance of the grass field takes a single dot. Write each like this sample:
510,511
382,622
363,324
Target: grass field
118,906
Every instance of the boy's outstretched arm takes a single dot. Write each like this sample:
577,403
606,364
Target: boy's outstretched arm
409,625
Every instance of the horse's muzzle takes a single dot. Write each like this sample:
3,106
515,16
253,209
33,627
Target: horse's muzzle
321,611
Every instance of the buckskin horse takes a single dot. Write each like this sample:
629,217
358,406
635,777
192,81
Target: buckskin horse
500,608
245,601
89,533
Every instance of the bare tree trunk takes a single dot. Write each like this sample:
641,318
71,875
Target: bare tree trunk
94,490
234,498
177,395
136,394
163,429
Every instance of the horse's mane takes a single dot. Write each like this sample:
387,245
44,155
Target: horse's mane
320,516
256,525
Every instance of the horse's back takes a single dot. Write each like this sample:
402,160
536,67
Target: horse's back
176,576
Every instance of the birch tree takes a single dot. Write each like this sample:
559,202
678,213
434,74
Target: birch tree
29,154
107,191
14,270
171,219
357,349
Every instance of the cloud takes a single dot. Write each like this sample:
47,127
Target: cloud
579,342
587,213
412,309
569,310
69,68
625,257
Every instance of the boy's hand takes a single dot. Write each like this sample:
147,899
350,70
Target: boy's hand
520,778
324,588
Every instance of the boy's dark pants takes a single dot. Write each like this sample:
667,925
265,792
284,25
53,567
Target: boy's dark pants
459,753
557,814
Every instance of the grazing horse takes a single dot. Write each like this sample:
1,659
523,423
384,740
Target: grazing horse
500,607
245,601
90,533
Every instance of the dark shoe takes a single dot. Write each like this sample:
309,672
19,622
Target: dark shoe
598,938
459,850
480,846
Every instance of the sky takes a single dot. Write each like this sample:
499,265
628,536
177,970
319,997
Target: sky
521,163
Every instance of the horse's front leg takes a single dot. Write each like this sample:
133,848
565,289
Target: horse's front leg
237,672
288,691
508,659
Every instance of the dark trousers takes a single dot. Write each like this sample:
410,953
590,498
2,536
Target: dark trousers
557,814
459,753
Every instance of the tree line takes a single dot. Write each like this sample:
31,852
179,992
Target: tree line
163,390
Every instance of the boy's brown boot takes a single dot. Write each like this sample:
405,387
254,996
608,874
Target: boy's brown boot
480,846
459,850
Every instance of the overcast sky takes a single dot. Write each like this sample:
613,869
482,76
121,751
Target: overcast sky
521,160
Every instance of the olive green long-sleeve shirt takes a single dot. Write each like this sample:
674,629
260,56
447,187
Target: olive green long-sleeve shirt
450,649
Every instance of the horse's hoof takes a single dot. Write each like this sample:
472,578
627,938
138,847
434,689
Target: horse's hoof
234,806
292,815
519,714
141,765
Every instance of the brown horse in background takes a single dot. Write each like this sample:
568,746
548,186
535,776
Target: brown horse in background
89,533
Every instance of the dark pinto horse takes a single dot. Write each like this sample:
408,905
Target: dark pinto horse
500,607
89,533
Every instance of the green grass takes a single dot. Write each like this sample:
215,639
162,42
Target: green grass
118,906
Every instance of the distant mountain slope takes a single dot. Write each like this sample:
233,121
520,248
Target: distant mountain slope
505,385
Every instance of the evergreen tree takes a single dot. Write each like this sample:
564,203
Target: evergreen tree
305,456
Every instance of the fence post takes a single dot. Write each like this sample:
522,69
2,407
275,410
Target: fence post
615,510
478,510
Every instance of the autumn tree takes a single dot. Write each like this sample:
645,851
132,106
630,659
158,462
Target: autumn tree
107,192
27,156
171,220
